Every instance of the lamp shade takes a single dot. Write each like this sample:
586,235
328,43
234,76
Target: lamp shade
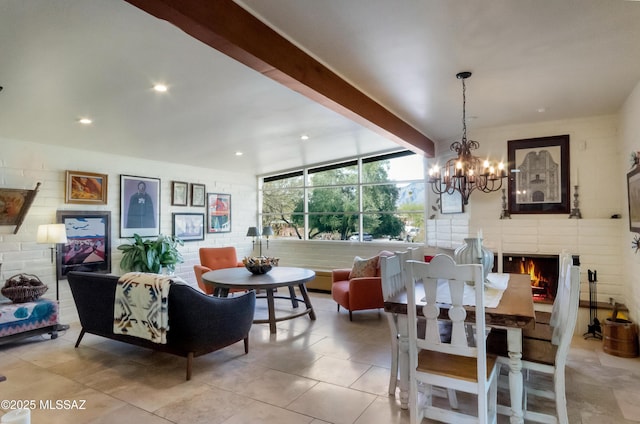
267,231
252,232
51,233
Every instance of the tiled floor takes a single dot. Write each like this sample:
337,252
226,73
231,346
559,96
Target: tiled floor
327,371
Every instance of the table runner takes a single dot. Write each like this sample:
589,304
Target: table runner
493,291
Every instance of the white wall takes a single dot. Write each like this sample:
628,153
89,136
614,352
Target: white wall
24,164
630,142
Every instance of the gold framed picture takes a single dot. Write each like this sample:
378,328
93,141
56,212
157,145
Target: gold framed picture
85,188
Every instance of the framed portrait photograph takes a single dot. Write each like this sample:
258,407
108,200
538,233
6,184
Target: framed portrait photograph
188,226
85,188
539,175
633,190
179,193
198,195
88,246
139,206
218,213
451,203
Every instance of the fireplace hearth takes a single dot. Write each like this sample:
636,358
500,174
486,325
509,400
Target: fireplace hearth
543,271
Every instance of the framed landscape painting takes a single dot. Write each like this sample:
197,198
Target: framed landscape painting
218,213
88,246
85,188
188,226
539,175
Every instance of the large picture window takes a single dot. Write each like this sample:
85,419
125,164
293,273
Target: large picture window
374,198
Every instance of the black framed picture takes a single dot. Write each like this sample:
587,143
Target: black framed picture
198,195
179,193
451,203
218,213
88,246
139,206
539,175
188,226
633,191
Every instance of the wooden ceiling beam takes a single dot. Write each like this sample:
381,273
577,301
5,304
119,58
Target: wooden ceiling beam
230,29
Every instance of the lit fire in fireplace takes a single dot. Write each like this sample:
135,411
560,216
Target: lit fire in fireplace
539,283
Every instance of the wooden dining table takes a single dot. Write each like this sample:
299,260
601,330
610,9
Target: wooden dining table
513,313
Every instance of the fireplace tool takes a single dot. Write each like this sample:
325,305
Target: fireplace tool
593,329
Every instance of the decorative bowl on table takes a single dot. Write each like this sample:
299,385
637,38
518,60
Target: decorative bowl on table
23,288
259,264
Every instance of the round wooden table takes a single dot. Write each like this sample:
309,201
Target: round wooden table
279,276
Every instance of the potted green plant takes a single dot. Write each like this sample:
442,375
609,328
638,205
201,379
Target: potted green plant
148,255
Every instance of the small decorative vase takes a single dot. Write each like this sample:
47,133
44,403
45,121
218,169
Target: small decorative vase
468,254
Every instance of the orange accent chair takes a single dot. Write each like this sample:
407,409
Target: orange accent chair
215,258
358,293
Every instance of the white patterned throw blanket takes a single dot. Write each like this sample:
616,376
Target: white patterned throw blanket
141,306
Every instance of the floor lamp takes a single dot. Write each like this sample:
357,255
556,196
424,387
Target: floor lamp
53,234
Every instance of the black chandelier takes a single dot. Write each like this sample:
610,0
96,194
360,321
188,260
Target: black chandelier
467,172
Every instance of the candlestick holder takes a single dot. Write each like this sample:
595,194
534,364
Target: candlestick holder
505,212
575,212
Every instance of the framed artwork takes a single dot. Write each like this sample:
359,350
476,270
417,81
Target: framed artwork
633,190
85,188
139,206
451,203
88,246
218,213
14,205
179,193
539,175
188,226
197,195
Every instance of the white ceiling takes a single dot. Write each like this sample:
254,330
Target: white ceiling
66,59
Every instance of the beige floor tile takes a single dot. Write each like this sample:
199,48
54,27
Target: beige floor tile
80,407
258,412
210,406
276,388
629,403
341,372
130,414
374,381
384,410
333,403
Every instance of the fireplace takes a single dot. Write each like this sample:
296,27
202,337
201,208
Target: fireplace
542,269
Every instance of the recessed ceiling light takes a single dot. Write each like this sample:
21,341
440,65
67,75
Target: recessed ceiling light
541,109
304,137
239,153
85,121
160,88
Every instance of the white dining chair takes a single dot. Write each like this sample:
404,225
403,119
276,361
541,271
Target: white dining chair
564,318
392,284
458,363
393,272
548,354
